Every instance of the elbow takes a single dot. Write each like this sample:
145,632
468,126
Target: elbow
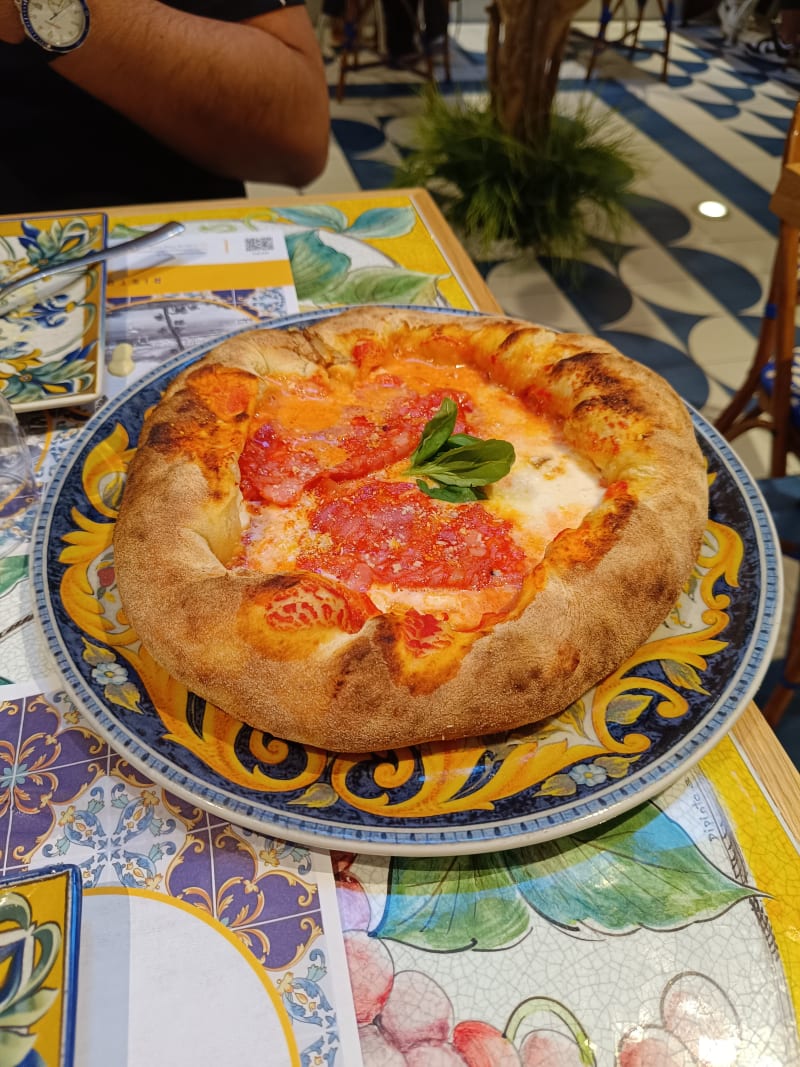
306,159
296,158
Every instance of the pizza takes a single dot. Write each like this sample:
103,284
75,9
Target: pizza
396,526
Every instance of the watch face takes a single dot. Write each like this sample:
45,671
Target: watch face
58,25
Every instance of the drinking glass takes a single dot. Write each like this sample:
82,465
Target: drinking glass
18,489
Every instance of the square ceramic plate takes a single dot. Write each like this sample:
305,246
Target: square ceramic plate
51,336
39,927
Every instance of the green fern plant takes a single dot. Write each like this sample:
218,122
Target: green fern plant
546,196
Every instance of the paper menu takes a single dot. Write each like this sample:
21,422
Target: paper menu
198,261
191,290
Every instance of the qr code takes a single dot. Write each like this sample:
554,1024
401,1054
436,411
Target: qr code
258,245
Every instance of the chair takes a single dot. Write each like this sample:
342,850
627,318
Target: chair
769,398
782,496
631,30
358,14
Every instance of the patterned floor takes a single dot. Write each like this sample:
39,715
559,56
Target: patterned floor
684,293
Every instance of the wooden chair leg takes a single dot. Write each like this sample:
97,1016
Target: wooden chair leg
668,15
780,400
767,339
448,77
355,13
609,12
606,15
637,26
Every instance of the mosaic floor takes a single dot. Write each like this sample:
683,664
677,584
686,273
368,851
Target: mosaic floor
684,293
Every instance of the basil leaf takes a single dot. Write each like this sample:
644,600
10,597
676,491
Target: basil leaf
457,462
453,494
457,439
474,464
436,432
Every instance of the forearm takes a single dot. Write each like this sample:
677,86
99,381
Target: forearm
246,100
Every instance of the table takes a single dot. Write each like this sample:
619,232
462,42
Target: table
204,942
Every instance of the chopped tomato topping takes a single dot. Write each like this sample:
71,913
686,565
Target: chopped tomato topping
362,350
391,533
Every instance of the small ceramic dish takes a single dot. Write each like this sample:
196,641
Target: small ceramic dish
51,333
39,928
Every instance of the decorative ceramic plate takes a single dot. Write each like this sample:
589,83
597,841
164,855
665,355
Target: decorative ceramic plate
51,332
624,741
40,915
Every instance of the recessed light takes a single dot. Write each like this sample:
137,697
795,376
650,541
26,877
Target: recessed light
712,209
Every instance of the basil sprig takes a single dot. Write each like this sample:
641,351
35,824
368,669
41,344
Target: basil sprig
458,464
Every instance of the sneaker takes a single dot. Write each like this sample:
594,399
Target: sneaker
772,49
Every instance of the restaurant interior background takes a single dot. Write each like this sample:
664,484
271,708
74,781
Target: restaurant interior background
686,294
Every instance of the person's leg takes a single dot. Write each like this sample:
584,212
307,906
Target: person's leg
334,12
437,17
399,27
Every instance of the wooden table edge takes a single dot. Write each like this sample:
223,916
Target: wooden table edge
775,770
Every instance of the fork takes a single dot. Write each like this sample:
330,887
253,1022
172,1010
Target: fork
161,233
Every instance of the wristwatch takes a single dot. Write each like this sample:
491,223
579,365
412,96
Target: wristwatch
58,26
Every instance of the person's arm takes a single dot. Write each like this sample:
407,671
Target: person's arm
244,99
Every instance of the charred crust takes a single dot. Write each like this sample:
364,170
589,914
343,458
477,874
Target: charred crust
515,336
616,517
350,662
590,370
385,637
661,590
190,408
307,344
163,437
619,403
568,657
281,581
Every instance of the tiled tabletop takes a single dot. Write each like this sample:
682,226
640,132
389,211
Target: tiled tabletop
669,929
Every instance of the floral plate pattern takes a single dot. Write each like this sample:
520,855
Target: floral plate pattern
51,338
624,741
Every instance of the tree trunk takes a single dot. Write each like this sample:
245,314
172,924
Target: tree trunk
524,53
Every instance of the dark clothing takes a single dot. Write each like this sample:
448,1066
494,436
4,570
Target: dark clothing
64,149
401,25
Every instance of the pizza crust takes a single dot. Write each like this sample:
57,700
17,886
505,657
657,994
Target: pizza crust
598,594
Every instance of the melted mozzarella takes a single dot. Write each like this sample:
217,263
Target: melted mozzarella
548,490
